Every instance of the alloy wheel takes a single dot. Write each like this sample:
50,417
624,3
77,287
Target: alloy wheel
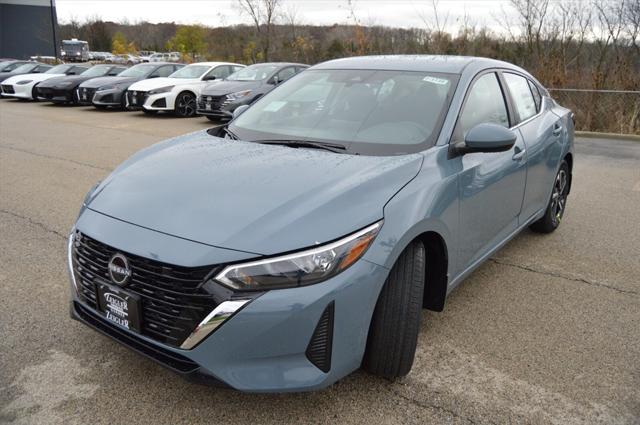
559,197
186,106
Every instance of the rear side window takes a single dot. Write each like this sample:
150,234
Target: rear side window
484,104
537,98
521,95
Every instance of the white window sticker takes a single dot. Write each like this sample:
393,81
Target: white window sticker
275,106
435,80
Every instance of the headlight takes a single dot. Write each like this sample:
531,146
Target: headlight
238,95
63,53
161,90
300,269
23,82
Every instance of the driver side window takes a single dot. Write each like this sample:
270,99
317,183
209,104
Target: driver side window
163,71
485,104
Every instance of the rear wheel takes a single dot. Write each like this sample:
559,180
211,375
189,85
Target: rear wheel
185,105
557,204
393,334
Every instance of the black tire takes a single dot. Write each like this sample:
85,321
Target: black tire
557,203
148,112
393,334
75,100
185,105
214,119
34,93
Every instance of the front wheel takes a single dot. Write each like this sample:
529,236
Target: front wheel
557,203
185,105
393,333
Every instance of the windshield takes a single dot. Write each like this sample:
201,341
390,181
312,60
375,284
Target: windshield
97,71
138,71
23,69
60,69
72,47
370,112
191,71
252,73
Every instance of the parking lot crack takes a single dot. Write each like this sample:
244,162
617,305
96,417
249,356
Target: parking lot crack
432,406
42,155
34,223
565,276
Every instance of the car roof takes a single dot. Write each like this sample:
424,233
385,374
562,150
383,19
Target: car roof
213,63
280,64
428,63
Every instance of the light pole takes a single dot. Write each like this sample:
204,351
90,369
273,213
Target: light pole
53,28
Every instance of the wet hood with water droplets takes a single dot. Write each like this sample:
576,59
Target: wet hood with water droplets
262,199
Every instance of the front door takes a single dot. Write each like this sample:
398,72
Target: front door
490,185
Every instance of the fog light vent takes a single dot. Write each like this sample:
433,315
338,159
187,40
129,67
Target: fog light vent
319,349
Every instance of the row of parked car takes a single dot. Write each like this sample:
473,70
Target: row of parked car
211,89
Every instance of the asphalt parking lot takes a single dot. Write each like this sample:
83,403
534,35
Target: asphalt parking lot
547,331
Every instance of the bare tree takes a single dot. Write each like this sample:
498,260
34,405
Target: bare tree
263,14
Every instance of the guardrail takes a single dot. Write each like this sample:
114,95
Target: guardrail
607,111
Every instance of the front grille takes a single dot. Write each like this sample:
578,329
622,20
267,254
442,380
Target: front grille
50,93
139,96
85,95
8,89
173,301
217,102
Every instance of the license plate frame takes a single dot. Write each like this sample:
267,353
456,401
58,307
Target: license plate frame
119,306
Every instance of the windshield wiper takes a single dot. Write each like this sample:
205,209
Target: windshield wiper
294,143
230,133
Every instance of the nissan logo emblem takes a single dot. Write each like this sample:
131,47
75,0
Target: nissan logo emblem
119,269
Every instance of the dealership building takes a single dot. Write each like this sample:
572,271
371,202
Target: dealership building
28,28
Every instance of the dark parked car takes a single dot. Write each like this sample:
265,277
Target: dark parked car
64,89
220,99
109,91
25,68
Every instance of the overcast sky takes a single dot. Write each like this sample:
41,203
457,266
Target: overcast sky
395,13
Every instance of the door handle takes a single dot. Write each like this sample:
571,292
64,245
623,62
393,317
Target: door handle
557,129
519,155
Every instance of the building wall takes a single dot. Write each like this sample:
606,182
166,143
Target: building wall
26,28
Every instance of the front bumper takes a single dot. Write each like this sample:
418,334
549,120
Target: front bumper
150,102
55,95
108,98
20,91
217,106
263,347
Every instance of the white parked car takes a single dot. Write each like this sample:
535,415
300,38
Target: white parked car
178,92
23,86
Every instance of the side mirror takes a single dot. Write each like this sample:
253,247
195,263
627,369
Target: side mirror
487,137
71,73
239,110
209,78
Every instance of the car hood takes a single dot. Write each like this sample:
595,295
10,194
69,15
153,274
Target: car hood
156,83
32,77
62,82
94,83
250,197
226,87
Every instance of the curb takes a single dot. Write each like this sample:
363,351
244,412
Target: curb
615,136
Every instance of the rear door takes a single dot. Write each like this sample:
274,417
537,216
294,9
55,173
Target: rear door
490,185
542,131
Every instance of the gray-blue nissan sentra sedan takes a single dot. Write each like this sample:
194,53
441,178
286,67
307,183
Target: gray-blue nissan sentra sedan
300,242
